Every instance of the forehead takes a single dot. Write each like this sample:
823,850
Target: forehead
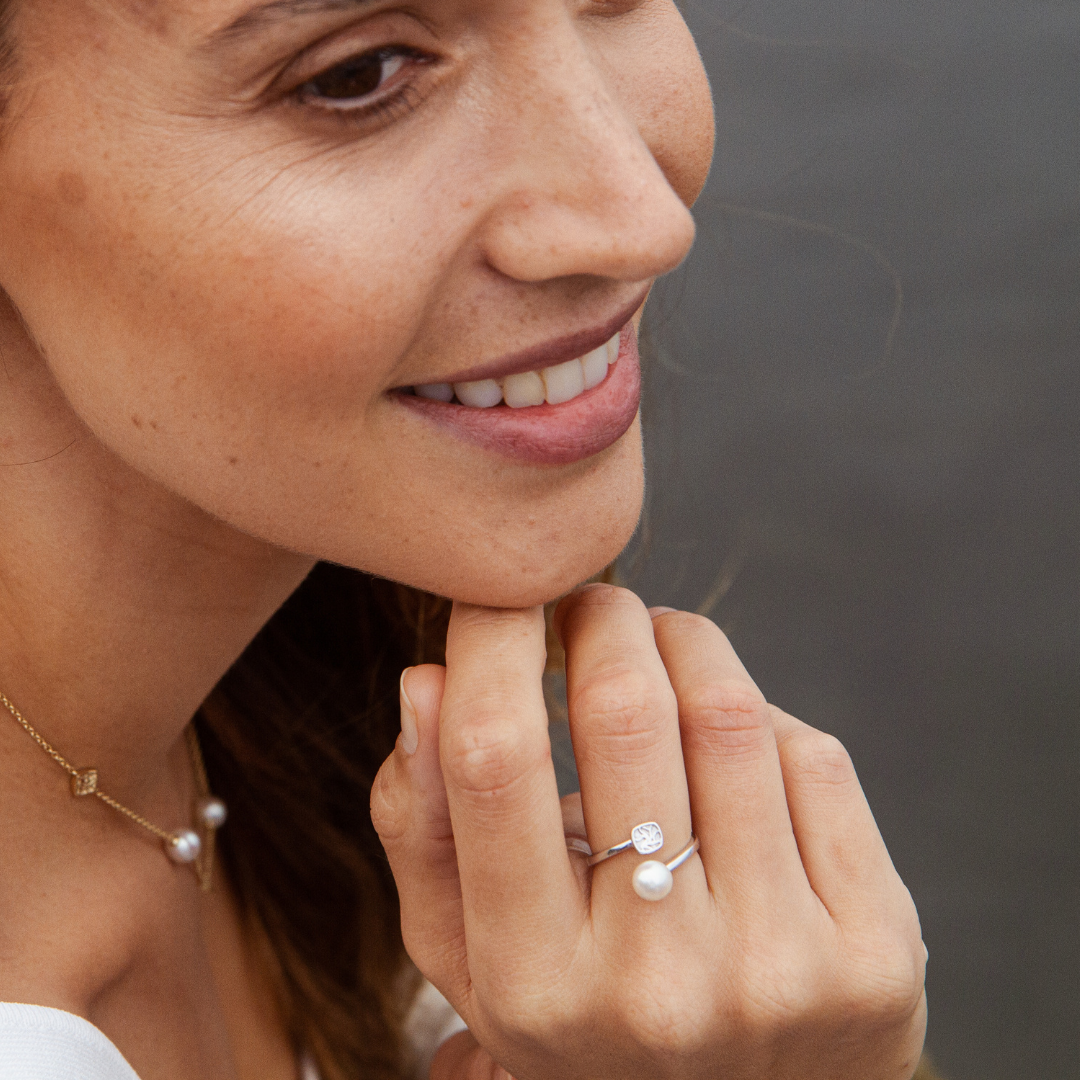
160,15
157,17
164,17
220,19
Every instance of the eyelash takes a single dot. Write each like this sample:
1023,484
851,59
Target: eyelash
370,107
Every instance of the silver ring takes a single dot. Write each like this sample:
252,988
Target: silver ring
652,878
644,839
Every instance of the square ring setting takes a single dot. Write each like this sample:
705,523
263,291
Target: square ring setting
647,838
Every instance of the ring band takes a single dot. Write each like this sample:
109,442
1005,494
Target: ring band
652,879
687,853
644,839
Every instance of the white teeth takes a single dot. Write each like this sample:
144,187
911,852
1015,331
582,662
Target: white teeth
484,394
563,382
440,391
555,385
523,390
613,347
595,366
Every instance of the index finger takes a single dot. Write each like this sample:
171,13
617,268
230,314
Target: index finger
516,878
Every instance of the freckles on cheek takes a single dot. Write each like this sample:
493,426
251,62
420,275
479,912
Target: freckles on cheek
323,273
72,189
284,283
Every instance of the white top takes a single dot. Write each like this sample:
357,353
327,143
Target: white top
46,1044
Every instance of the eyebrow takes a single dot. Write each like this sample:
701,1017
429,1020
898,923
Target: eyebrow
279,10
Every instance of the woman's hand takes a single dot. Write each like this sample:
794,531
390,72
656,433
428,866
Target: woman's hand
789,948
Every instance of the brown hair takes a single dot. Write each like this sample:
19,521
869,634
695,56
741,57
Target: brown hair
293,736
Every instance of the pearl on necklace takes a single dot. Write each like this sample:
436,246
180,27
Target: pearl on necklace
183,846
212,812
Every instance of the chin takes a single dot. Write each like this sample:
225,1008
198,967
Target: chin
532,568
526,591
514,588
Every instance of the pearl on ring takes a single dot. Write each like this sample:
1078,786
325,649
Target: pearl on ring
183,846
652,880
212,812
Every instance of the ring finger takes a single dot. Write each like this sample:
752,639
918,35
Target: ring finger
624,722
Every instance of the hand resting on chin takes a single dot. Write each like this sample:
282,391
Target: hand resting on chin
787,949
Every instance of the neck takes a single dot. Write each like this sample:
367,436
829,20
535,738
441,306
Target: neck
121,606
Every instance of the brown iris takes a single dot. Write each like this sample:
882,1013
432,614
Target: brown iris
355,78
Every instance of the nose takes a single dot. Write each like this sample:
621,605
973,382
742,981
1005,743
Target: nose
580,191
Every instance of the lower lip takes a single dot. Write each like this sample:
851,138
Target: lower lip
549,434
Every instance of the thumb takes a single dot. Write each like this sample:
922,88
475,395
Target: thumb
410,813
463,1058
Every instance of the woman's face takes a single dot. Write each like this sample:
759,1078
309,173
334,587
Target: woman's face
240,232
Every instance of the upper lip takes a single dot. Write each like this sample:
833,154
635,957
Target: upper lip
549,353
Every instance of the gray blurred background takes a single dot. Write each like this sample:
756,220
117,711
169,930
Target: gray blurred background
864,456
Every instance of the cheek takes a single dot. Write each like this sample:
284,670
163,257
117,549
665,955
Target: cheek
241,359
215,306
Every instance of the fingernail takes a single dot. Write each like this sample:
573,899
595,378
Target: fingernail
654,611
410,734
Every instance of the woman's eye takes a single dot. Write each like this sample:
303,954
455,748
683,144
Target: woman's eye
347,85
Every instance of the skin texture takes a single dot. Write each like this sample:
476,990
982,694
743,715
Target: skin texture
210,289
311,266
789,948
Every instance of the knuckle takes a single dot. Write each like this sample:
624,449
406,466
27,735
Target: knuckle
474,629
624,704
666,1026
490,756
594,606
787,990
728,714
821,759
780,986
885,983
503,620
516,1020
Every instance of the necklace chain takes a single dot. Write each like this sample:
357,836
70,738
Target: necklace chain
84,782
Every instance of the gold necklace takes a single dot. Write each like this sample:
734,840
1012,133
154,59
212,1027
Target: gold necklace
183,846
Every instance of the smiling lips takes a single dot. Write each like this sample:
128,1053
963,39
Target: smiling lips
554,385
554,415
